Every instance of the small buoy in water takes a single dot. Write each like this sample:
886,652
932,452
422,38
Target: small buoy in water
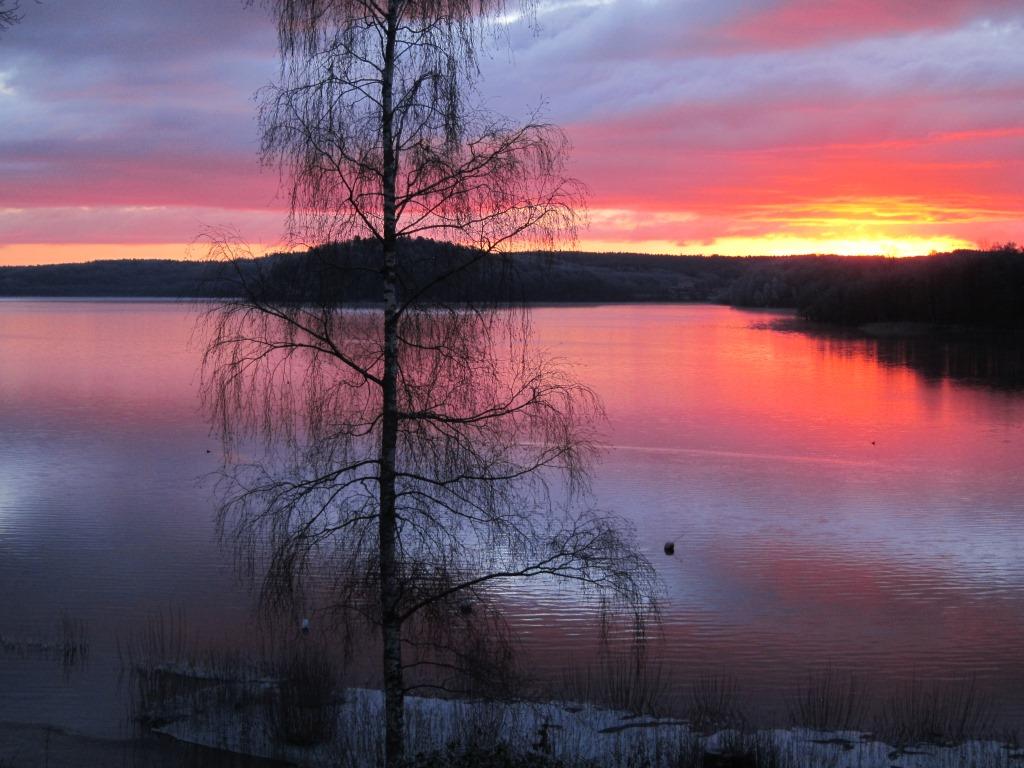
670,547
465,607
305,626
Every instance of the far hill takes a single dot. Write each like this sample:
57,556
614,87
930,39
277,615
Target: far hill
970,288
549,277
133,278
963,288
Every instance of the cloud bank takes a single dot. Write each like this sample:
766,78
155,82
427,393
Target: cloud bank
755,126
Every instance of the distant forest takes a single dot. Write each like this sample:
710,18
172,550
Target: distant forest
969,288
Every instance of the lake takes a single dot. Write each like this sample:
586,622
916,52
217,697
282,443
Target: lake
836,501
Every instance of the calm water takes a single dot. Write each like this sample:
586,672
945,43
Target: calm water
834,501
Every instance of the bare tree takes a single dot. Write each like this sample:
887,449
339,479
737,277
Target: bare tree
9,15
419,451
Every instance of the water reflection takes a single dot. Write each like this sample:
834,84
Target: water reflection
827,508
993,360
834,500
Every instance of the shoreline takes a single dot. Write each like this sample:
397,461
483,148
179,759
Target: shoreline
546,733
30,745
881,329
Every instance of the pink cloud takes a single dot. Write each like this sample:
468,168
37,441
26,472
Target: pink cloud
61,175
711,119
793,23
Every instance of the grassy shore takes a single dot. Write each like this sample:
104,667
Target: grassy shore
295,702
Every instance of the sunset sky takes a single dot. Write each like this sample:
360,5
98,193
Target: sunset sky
699,126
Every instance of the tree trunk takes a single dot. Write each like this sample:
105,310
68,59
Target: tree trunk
391,623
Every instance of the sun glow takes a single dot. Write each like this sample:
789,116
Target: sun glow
783,245
895,227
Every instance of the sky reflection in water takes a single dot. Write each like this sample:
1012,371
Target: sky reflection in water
828,507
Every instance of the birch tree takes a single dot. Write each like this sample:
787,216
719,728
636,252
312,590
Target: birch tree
8,14
420,452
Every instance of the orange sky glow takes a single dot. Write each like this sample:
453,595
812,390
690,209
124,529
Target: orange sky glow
875,127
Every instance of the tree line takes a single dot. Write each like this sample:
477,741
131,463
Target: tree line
352,270
965,287
973,288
